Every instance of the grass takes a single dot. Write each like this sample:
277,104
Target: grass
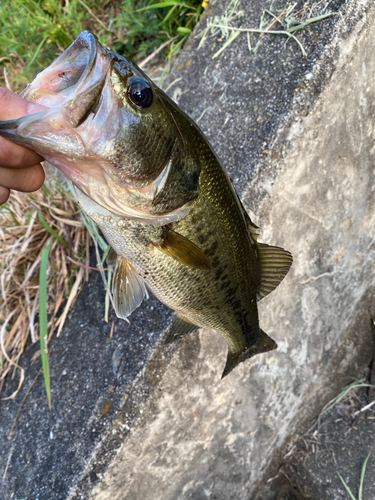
43,318
356,384
360,489
291,20
34,32
344,393
32,280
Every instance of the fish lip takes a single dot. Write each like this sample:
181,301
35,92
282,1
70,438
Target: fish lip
92,43
86,51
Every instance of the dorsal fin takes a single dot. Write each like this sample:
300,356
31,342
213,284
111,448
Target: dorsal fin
177,329
128,288
274,263
251,227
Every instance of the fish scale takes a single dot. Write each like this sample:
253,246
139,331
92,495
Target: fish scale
216,298
145,173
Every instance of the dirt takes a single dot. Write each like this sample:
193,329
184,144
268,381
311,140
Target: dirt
338,442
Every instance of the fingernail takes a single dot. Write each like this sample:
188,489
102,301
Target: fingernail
34,107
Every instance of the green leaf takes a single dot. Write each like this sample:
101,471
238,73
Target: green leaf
363,471
163,5
160,5
183,31
45,224
43,319
348,490
36,53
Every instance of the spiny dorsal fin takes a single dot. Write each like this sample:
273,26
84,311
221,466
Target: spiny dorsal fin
177,329
251,227
180,248
128,288
111,257
274,263
263,344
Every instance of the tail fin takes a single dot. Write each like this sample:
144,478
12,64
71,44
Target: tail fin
263,344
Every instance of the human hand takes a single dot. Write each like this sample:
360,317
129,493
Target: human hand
20,168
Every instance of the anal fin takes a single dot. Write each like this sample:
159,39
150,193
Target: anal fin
177,329
128,289
263,344
111,257
274,263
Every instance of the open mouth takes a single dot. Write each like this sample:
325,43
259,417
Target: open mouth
78,129
70,87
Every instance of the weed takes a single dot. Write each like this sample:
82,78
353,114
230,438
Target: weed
34,32
348,490
292,21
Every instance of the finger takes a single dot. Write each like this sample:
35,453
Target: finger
12,155
13,106
24,179
4,194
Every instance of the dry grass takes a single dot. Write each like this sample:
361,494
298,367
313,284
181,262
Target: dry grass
28,223
290,21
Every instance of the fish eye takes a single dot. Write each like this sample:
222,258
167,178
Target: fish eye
140,94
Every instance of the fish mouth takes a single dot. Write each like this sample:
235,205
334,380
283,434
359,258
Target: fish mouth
70,88
70,71
81,119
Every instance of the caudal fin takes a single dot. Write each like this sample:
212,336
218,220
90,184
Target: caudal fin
263,344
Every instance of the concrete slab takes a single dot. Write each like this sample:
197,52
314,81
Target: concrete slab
133,419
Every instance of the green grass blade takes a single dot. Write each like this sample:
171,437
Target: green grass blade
107,296
177,46
354,385
45,224
232,37
43,319
13,215
163,5
363,471
36,53
352,497
170,14
32,211
183,31
46,190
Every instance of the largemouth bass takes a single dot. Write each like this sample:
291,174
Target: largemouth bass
145,173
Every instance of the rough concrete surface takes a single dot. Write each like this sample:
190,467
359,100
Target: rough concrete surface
132,419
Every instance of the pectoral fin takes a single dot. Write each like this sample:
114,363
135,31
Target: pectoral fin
275,263
263,344
180,248
128,288
177,329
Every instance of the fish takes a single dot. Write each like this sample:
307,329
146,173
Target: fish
147,176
